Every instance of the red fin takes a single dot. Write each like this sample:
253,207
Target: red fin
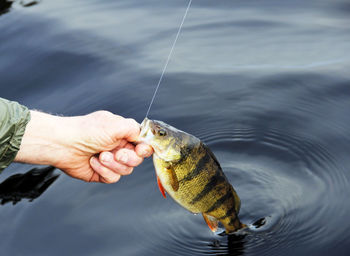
161,187
211,221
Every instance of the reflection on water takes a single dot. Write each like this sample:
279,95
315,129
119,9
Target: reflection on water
29,3
232,245
265,84
29,185
5,6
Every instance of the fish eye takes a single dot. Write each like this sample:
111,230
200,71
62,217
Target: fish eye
161,132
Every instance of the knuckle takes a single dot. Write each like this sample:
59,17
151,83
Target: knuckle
102,115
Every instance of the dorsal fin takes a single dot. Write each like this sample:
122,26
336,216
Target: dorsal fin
211,154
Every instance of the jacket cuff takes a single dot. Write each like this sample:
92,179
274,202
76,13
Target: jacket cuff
14,119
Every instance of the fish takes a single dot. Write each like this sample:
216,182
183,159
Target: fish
189,172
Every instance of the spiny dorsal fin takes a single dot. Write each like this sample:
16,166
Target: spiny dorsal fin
211,154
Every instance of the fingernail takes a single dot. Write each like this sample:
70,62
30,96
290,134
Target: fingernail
123,157
106,157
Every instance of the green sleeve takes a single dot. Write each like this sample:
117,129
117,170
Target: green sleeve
13,121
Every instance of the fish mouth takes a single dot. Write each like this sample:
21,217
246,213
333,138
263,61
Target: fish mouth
148,134
146,126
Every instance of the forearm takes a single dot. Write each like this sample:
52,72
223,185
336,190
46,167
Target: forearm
44,140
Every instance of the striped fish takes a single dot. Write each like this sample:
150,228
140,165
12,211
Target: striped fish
190,173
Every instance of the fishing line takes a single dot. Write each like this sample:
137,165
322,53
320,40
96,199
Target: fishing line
169,56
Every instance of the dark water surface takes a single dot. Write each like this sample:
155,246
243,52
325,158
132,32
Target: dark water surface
266,84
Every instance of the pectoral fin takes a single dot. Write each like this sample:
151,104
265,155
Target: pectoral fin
174,182
161,187
211,221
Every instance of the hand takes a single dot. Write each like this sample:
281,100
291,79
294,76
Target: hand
94,148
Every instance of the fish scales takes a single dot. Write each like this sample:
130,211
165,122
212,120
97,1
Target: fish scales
199,185
190,173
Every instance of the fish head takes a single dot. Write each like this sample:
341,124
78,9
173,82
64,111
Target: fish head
168,143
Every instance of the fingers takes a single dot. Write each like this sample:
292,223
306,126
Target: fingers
131,155
106,175
111,165
143,150
109,161
128,157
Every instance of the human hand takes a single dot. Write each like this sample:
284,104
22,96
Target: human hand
95,148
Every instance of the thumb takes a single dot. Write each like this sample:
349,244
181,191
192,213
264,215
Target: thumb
128,129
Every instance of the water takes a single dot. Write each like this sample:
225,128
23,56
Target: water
264,83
